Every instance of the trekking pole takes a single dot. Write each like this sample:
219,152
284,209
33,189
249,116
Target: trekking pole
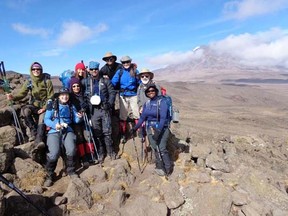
91,134
13,187
89,137
136,153
6,87
19,132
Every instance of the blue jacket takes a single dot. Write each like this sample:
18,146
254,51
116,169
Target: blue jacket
53,117
154,113
128,84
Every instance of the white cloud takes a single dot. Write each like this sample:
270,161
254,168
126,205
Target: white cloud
173,57
75,32
26,30
267,48
262,48
242,9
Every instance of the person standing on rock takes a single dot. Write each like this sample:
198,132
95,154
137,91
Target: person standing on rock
102,100
107,72
59,116
128,81
154,113
146,77
111,66
41,88
77,99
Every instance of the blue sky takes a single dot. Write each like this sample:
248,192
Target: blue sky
154,33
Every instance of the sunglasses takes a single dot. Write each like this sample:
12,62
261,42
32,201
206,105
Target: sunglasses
126,62
75,86
93,69
36,69
145,76
149,91
109,59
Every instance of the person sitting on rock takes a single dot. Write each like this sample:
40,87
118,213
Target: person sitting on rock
155,112
59,116
41,90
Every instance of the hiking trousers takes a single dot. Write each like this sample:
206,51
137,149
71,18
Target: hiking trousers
32,118
56,142
163,162
101,123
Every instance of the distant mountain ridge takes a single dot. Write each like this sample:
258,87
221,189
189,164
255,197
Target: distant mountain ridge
212,67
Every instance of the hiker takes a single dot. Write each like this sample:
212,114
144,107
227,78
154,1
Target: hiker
111,66
146,77
81,73
128,81
77,99
59,116
101,101
41,90
155,113
107,72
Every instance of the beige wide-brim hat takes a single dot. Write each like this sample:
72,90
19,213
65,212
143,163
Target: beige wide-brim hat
109,55
146,70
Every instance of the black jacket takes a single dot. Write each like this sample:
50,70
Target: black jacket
106,70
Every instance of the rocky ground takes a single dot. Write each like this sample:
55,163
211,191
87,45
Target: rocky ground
229,149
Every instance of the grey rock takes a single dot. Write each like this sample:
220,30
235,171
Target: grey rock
217,163
172,195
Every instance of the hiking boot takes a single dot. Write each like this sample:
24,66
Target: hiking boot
41,145
38,147
48,182
123,139
160,172
101,159
85,164
113,156
31,138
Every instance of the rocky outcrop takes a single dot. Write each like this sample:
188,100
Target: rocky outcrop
218,174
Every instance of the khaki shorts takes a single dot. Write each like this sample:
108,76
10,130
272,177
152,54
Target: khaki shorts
128,107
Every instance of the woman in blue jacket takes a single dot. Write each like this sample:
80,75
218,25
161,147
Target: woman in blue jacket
155,112
59,116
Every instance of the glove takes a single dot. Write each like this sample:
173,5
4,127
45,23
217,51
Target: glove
156,135
106,106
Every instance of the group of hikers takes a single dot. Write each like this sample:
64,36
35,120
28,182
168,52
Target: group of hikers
82,113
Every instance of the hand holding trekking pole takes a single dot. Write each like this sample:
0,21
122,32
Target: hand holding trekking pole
156,134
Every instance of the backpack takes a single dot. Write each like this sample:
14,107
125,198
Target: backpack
65,78
168,101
